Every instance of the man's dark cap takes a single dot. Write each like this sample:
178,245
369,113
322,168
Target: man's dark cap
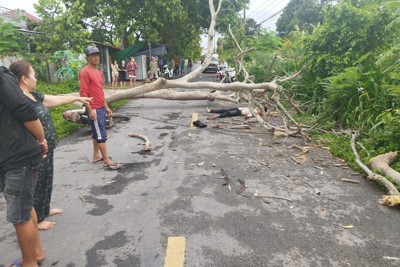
91,50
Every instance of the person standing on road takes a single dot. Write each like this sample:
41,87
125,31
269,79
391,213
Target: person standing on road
115,75
173,66
122,73
132,71
182,66
164,61
91,85
153,68
42,195
22,146
190,65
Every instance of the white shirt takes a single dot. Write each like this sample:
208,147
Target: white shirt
224,65
246,112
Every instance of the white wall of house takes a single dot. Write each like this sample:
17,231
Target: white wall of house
6,61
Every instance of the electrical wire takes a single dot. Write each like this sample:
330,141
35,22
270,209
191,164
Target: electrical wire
260,10
256,12
252,2
272,16
257,9
272,9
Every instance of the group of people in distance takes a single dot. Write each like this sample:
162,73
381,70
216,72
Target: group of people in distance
178,67
27,143
119,71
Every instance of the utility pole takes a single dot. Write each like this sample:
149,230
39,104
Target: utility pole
245,26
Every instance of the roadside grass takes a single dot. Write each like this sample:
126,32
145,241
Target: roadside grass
339,145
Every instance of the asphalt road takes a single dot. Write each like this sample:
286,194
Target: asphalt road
292,215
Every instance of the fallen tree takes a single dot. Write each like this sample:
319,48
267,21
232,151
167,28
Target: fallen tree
380,163
182,89
253,94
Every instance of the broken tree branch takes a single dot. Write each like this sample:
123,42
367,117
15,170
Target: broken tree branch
381,164
227,178
263,163
241,54
270,68
147,145
372,176
390,200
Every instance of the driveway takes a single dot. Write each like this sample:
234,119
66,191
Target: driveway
171,203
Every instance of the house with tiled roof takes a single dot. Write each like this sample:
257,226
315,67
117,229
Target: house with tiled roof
18,18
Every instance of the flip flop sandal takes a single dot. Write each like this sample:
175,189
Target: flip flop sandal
39,262
99,160
16,263
112,166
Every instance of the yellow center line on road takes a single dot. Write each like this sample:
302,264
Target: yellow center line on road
175,256
195,117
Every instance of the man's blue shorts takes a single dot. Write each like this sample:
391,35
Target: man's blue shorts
18,186
99,125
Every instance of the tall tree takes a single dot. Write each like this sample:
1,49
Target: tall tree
252,28
347,34
176,23
299,15
10,40
61,27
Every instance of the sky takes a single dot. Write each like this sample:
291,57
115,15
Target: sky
266,12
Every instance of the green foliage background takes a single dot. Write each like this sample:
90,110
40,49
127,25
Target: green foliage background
351,81
10,40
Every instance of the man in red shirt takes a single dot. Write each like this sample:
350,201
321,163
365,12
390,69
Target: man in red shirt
91,85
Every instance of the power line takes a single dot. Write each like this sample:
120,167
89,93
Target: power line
272,9
259,24
262,10
253,2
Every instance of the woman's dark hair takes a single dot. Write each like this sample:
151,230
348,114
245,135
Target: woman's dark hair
20,68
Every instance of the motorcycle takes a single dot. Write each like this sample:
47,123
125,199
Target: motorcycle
169,74
225,75
81,116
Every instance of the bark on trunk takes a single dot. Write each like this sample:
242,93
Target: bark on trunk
387,200
381,164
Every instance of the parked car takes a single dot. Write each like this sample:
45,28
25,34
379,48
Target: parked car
213,66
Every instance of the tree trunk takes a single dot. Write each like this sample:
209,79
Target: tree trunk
381,164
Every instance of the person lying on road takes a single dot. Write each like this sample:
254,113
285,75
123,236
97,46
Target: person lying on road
233,112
